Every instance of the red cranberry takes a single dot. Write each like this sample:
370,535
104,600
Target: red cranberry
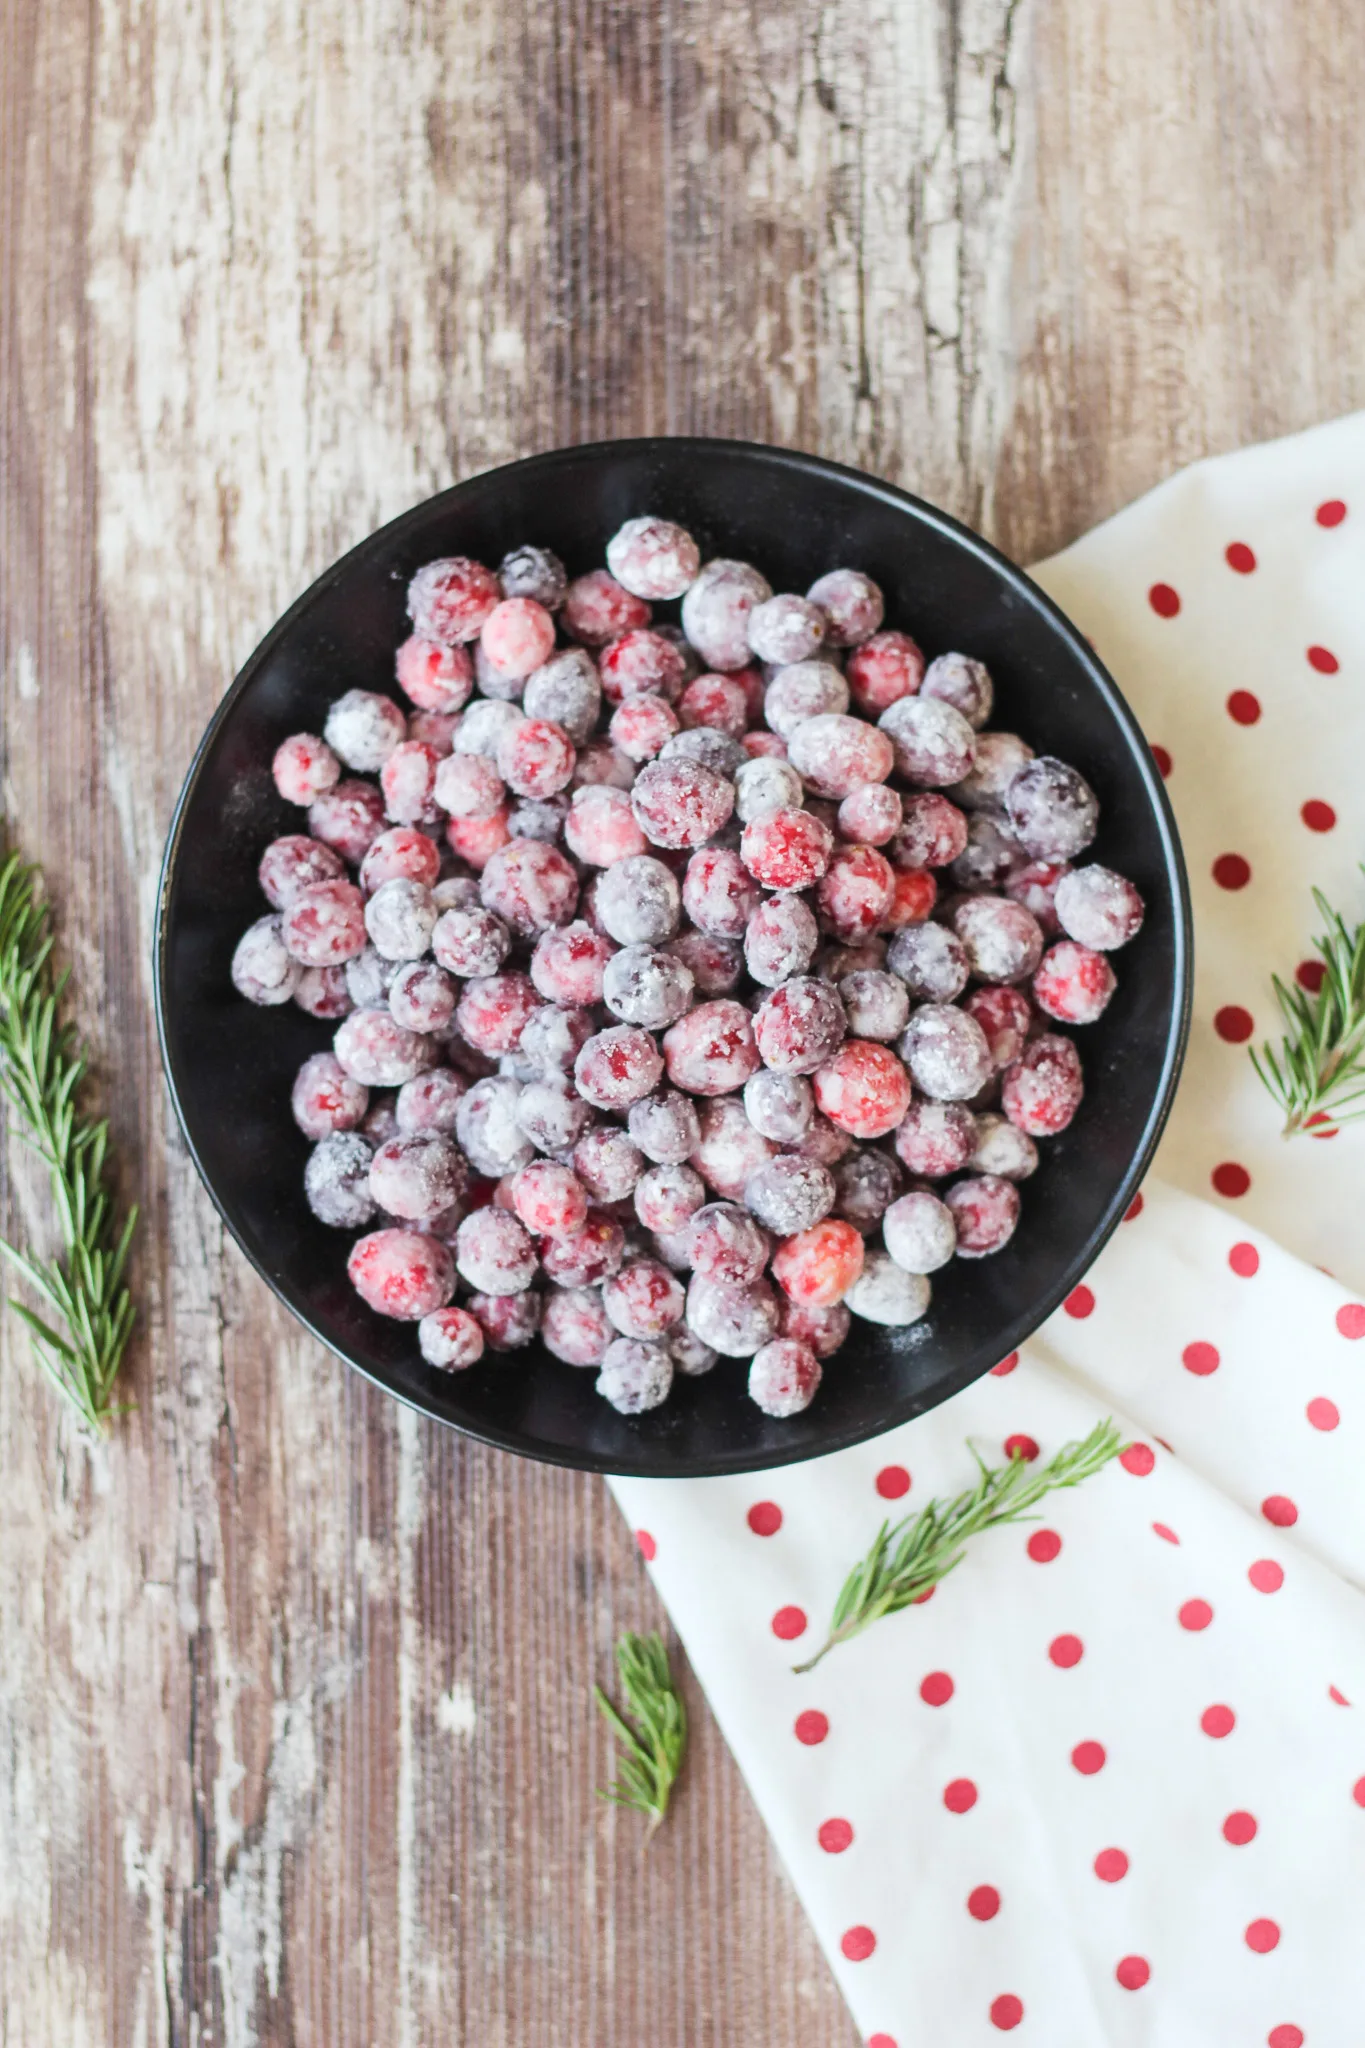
716,702
449,600
641,725
1042,1091
536,758
919,1232
533,572
643,1299
786,628
588,1256
1003,941
714,964
568,963
469,786
408,779
422,997
933,834
530,886
509,1321
931,961
653,558
780,940
640,664
1098,908
617,1067
401,1273
934,745
430,1102
597,609
790,1194
494,1010
1003,1149
855,892
836,755
400,918
637,901
783,1378
786,849
376,1049
863,1089
608,1163
635,1376
803,690
549,1199
433,677
822,1330
711,1051
417,1177
517,636
1073,984
736,1321
799,1026
680,803
450,1339
326,1098
936,1138
364,728
729,1150
325,924
294,863
865,1185
601,829
875,1003
336,1181
476,840
914,892
963,683
322,992
348,819
645,987
401,853
716,609
600,761
494,1253
304,768
718,893
1004,1015
574,1326
1053,809
884,1293
999,758
992,856
946,1052
852,604
886,668
872,816
985,1210
435,729
817,1267
668,1197
724,1243
470,942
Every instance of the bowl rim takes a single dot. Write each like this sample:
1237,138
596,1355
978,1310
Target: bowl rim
811,468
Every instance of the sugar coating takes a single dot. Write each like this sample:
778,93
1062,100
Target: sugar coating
363,729
863,1089
1035,885
430,1102
417,1176
801,691
400,918
509,1321
919,1232
711,1050
640,664
835,754
866,1182
653,558
666,1127
963,683
450,1339
991,856
638,901
884,1293
336,1180
706,744
729,1149
494,1252
322,992
586,1258
1000,756
790,1194
423,997
799,1026
934,745
1002,940
484,725
635,1376
786,628
641,985
690,1356
348,819
852,604
434,678
1042,1091
783,1378
855,893
538,819
304,767
552,1114
1054,811
931,961
764,784
932,832
985,1210
714,964
574,1325
468,785
780,939
946,1052
640,727
608,1162
824,1330
643,1299
680,803
1002,1149
295,863
618,1066
449,600
1073,983
405,1274
780,1106
876,1003
884,669
374,1048
1099,908
533,572
565,690
486,1124
716,609
668,1197
263,970
718,892
530,886
734,1320
400,853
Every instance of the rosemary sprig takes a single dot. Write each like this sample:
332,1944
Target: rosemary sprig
42,1066
656,1734
908,1559
1318,1074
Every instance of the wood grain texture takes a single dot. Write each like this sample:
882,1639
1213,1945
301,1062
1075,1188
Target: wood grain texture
296,1744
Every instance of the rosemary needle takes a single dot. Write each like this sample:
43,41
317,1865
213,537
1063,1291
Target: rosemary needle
1317,1075
653,1738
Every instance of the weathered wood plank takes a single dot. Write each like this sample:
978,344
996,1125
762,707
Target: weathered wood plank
296,1744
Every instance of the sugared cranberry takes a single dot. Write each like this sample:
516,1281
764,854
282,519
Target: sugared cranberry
725,1243
640,664
963,683
653,558
601,828
417,1176
530,886
863,1089
946,1052
1003,941
1042,1091
533,572
643,986
494,1253
597,609
476,840
865,1185
486,1126
817,1267
914,892
641,725
786,628
304,768
836,755
885,1293
408,780
550,1200
565,689
716,609
991,857
876,1004
855,892
985,1210
729,1149
422,997
494,1010
322,992
617,1067
336,1181
790,1194
469,786
608,1163
433,677
711,1051
509,1321
1073,984
574,1326
449,600
872,816
934,745
400,918
737,1321
1004,1015
586,1257
552,1113
638,901
799,1026
1000,756
435,729
717,702
885,669
600,761
919,1232
933,832
852,604
936,1138
363,728
786,849
1003,1149
823,1330
1098,908
783,1378
668,1197
553,1039
779,1105
1053,810
643,1299
450,1339
326,1098
470,942
763,785
294,863
568,963
325,925
401,853
714,964
430,1102
680,803
931,961
348,818
635,1376
374,1048
517,636
718,893
536,758
402,1273
484,725
780,940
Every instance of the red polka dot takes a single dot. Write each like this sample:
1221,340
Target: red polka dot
1006,2011
1245,1261
1322,1413
880,2041
1133,1972
1043,1545
1196,1615
1339,1697
1318,816
984,1902
1166,1533
927,1594
960,1796
1290,2037
1230,1179
893,1481
1005,1366
1111,1865
1080,1303
1358,1791
1088,1757
1163,761
834,1836
1137,1459
789,1623
1265,1575
1240,557
1201,1359
1280,1509
1262,1936
858,1943
1020,1446
811,1727
1164,601
1239,1828
1323,660
1310,974
765,1518
1134,1209
649,1549
1066,1651
936,1689
1234,1024
1231,871
1321,1126
1330,513
1351,1320
1243,708
1218,1721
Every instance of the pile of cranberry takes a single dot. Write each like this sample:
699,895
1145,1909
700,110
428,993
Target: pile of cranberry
657,1035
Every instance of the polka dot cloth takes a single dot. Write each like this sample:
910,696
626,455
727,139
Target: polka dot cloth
1088,1793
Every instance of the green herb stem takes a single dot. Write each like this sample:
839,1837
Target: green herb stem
653,1738
1317,1073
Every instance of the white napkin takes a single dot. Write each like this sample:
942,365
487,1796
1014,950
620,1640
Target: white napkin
1108,1786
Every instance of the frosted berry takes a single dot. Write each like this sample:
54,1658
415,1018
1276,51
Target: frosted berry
600,761
852,604
430,1102
535,573
326,1098
1042,1091
653,558
608,1163
587,1257
835,755
375,1049
400,918
963,683
919,1232
601,829
549,1199
552,1114
780,940
401,1273
735,1321
729,1149
401,853
1005,1016
931,961
363,729
539,819
617,1067
725,1243
823,1330
415,1177
381,1122
1098,908
432,677
640,664
484,726
304,768
597,609
509,1321
565,690
494,1010
322,992
718,893
855,892
786,628
1053,810
863,1089
643,1299
449,600
494,1253
933,832
715,701
786,849
1000,756
1003,1149
643,986
914,893
476,840
690,1356
568,963
716,609
711,1050
641,726
783,1378
336,1181
991,856
408,780
666,1128
294,863
936,1138
324,925
817,1267
635,1377
681,803
530,886
348,818
486,1125
985,1209
885,1293
435,729
668,1197
470,942
876,1004
450,1339
764,784
866,1182
714,964
1002,940
263,970
369,977
885,669
799,1026
946,1052
574,1326
934,745
780,1106
536,758
553,1038
638,901
469,786
517,637
1073,984
422,997
871,816
790,1194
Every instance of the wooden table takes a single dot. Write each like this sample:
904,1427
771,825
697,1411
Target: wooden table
296,1742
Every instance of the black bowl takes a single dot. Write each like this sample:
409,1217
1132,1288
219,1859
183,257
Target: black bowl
230,1065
